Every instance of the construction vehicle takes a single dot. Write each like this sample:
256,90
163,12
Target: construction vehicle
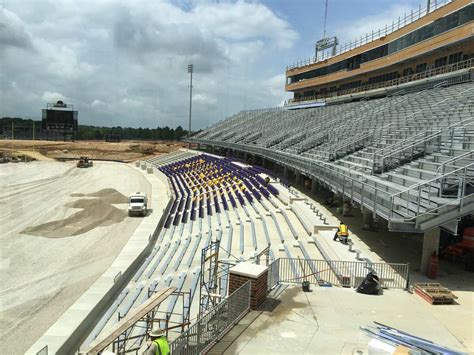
84,162
137,204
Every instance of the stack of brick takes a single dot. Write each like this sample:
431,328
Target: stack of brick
256,274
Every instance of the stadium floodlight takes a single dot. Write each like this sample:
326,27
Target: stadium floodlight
190,71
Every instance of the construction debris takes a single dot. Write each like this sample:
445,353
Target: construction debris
391,340
434,293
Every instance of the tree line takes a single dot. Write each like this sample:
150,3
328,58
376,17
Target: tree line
23,128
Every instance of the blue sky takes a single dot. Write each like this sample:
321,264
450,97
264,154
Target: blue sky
124,62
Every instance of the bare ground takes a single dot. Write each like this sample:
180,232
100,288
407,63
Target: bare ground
57,239
125,150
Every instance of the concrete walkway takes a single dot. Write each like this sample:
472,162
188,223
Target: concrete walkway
327,321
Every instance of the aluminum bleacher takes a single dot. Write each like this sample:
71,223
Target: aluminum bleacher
405,157
227,201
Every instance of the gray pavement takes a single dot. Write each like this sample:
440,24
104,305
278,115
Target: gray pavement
327,321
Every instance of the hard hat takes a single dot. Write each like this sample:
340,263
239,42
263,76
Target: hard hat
156,332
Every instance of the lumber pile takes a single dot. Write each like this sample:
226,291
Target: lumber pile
434,293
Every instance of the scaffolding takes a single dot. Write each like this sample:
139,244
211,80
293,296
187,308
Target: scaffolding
209,285
128,334
164,320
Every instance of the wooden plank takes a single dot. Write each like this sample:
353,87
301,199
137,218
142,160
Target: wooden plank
434,293
130,319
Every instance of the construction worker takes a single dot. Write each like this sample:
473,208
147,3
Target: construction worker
342,233
159,343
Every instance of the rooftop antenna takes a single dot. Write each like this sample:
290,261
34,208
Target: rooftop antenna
325,18
325,42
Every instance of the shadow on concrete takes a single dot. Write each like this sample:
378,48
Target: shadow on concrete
269,305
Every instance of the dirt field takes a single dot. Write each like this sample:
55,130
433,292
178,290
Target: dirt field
125,151
61,228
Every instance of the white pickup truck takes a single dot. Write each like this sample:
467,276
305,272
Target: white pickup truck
137,204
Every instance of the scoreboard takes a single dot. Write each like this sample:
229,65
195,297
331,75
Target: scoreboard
60,118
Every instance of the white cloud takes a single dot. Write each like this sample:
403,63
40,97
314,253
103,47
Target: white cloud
53,97
124,63
365,25
242,21
204,99
12,30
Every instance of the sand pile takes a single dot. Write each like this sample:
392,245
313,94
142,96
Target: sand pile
96,212
108,195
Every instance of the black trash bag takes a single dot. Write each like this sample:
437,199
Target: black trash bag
370,285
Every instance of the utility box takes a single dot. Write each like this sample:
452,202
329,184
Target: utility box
256,274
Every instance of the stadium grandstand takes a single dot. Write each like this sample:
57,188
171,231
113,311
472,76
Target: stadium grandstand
386,122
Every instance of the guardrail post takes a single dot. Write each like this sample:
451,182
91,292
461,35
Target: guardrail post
198,335
463,189
419,200
407,285
375,202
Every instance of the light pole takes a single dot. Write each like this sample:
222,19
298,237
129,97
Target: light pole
190,71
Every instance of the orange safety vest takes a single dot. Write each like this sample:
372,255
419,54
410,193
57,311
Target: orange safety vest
343,230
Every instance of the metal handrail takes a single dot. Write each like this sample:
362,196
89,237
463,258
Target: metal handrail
415,186
376,154
312,163
309,165
461,197
346,145
381,152
449,161
408,147
336,272
368,135
418,187
413,144
469,63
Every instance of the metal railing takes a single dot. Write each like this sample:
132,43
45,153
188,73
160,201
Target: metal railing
469,63
425,198
407,149
451,162
337,273
352,184
209,328
370,37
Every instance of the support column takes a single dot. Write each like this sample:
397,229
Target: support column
338,202
367,218
430,245
297,177
346,207
285,172
263,163
246,156
314,186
